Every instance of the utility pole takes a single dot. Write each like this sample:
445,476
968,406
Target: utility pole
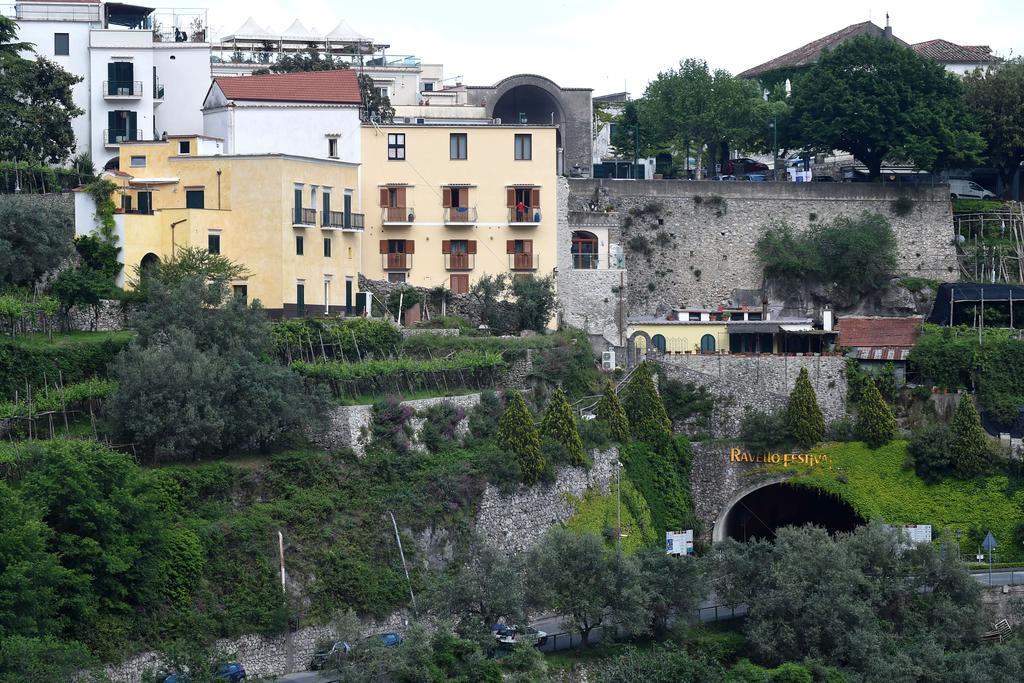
289,652
404,566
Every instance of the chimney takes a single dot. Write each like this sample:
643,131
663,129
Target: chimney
888,28
826,319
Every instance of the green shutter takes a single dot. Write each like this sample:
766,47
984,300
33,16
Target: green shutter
132,132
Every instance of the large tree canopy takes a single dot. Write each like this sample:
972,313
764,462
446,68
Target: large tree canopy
996,100
881,101
36,107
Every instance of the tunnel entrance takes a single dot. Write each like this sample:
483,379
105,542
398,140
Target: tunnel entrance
759,513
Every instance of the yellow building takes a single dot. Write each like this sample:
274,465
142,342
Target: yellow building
288,219
678,336
447,204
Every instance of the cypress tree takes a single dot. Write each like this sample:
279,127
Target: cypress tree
876,425
970,444
609,409
518,435
648,420
560,425
804,420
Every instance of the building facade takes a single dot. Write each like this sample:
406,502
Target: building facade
448,204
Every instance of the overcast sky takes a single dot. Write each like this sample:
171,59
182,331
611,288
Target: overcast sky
608,45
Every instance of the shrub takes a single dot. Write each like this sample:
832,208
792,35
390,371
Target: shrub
484,416
35,234
686,404
931,452
971,452
661,476
841,429
518,435
595,433
610,411
876,425
440,429
648,420
804,421
763,432
534,299
389,424
560,425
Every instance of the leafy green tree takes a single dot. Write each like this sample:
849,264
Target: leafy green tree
36,107
216,271
996,100
610,411
518,435
648,420
804,421
560,425
876,425
879,100
971,451
931,449
534,299
763,432
486,587
30,660
660,664
376,106
35,237
673,586
94,279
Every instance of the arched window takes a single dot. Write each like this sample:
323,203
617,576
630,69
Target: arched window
658,342
584,250
149,261
640,344
707,344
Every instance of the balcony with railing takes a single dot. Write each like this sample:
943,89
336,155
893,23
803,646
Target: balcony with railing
460,215
397,215
113,137
122,90
158,91
459,261
396,261
529,216
339,220
523,262
303,218
585,261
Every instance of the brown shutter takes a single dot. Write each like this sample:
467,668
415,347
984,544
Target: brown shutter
510,246
383,246
383,196
410,247
510,197
446,246
446,197
401,197
471,247
527,246
535,197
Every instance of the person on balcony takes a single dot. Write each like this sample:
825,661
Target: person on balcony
520,211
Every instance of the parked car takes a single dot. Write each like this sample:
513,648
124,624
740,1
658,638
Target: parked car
747,164
968,189
385,639
233,672
330,656
755,177
509,635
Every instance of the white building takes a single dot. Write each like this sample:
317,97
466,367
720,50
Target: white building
140,77
314,114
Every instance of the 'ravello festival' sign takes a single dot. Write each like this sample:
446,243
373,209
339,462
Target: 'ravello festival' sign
784,459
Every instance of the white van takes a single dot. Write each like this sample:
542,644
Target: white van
968,189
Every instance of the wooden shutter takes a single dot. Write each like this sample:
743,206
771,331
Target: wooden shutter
446,246
510,246
527,246
383,246
471,247
535,197
401,197
383,196
510,197
446,197
410,246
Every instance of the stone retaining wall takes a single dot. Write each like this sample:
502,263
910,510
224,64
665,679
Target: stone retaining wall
516,523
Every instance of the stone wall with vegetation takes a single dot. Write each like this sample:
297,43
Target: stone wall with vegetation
692,242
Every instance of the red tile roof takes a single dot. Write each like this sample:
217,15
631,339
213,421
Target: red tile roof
857,331
322,87
809,53
947,52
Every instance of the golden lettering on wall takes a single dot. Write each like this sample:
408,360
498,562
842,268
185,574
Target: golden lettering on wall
784,459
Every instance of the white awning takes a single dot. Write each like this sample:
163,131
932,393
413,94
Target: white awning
250,30
344,33
297,31
152,181
799,327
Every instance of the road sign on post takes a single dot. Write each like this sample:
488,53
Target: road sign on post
989,544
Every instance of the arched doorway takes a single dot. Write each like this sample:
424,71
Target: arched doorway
584,250
148,264
658,342
707,344
758,512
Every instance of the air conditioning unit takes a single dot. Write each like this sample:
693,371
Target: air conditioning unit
497,122
607,360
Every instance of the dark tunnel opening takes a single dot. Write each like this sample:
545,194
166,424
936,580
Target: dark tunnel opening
758,514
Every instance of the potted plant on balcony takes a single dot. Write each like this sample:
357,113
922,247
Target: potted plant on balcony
198,31
157,29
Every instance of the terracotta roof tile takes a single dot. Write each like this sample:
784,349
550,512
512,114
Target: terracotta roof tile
947,52
322,87
809,53
857,332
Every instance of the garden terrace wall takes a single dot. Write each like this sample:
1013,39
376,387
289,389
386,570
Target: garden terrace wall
702,234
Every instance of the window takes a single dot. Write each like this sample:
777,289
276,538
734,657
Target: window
428,86
241,292
754,315
61,44
327,296
382,90
145,202
457,145
184,146
396,146
658,342
332,148
121,79
524,147
694,317
298,245
396,277
213,243
707,344
327,247
300,298
459,284
138,162
126,203
195,199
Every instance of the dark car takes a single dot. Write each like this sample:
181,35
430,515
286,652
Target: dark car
329,657
233,672
748,165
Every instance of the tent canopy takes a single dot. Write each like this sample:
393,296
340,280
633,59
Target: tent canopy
953,294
